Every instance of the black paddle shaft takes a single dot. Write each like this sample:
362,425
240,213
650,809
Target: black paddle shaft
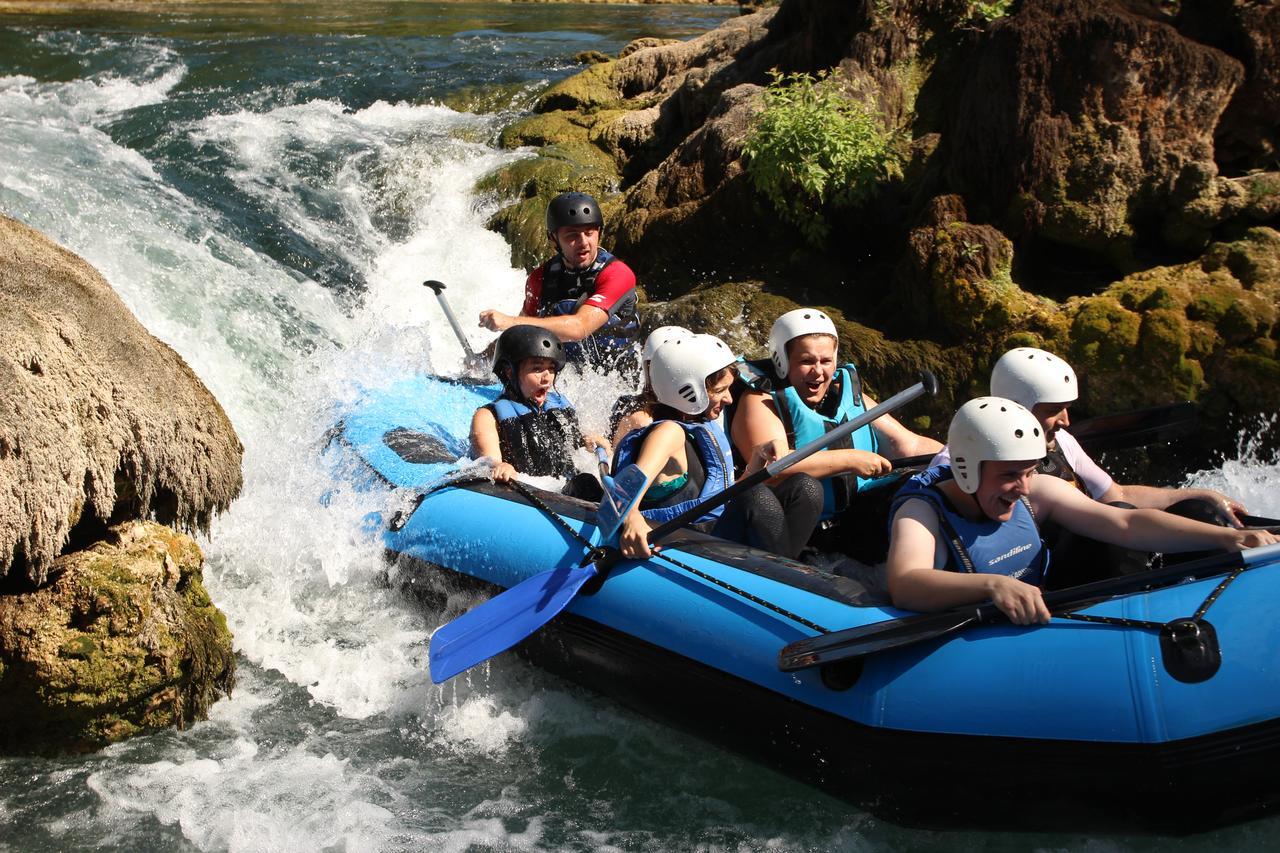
864,640
1113,432
928,384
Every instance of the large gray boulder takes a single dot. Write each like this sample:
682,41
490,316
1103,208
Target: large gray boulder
99,421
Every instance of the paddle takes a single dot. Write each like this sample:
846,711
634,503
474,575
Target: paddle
512,615
853,643
1271,525
1136,428
474,363
1112,432
499,623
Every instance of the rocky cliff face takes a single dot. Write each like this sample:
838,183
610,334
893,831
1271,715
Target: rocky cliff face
1054,158
105,628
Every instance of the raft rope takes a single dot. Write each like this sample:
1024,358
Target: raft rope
1156,626
594,553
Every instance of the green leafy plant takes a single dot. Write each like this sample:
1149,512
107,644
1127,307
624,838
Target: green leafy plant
991,9
813,149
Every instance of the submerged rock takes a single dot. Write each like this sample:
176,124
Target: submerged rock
99,421
123,640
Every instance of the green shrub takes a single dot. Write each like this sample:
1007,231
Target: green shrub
991,9
814,149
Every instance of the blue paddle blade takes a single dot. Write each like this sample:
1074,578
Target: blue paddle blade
502,621
507,618
620,496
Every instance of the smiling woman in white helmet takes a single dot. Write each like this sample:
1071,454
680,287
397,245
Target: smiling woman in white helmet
687,458
969,531
811,393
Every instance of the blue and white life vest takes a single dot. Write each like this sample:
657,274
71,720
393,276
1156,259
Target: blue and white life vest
805,424
538,442
1012,547
564,291
711,445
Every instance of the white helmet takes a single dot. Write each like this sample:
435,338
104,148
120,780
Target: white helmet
991,429
660,336
791,325
1029,376
679,371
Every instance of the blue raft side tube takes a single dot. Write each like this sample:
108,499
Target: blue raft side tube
1063,681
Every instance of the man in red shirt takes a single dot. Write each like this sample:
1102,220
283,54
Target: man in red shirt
583,295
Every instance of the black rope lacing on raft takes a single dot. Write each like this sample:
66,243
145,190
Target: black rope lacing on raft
768,605
596,553
1156,626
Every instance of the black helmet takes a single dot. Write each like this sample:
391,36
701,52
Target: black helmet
520,342
573,209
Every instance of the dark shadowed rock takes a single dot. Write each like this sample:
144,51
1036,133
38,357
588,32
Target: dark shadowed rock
1248,137
1085,123
99,421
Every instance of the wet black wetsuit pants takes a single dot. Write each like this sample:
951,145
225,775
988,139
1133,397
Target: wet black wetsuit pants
777,518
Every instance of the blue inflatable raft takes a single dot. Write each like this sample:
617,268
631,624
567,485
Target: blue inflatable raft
1070,725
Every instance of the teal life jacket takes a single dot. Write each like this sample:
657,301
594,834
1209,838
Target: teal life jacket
804,424
710,469
1012,547
538,442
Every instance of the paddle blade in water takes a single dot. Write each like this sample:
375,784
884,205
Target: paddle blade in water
502,621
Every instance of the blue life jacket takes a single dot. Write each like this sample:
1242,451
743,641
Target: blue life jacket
564,291
804,424
538,442
710,462
1012,547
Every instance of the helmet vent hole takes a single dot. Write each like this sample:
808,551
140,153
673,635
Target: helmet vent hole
687,391
1017,433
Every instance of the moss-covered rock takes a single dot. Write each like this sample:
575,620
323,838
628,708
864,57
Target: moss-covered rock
1103,333
124,640
959,275
1183,331
585,91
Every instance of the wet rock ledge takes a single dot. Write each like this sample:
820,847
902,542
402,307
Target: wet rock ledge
109,447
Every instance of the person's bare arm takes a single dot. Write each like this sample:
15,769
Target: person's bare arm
485,444
571,327
757,423
896,441
657,456
918,579
638,419
1158,497
1144,529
